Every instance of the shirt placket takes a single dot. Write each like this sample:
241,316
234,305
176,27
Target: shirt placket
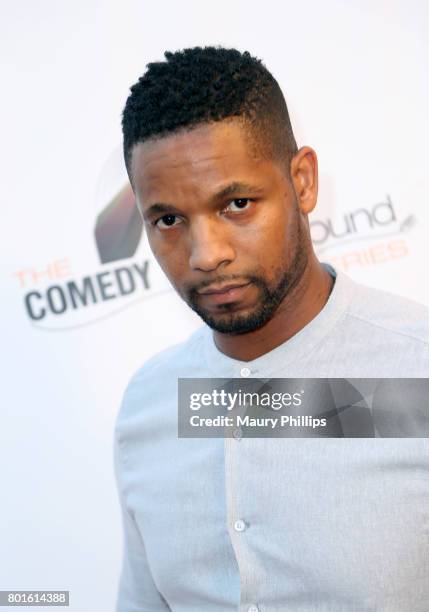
238,500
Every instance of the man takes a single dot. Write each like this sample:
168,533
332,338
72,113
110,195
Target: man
214,524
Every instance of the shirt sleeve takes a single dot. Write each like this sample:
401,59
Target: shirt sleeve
137,591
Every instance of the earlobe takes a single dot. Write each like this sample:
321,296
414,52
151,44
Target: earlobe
304,176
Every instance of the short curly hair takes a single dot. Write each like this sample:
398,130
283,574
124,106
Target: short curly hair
203,85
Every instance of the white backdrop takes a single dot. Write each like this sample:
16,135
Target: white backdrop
355,78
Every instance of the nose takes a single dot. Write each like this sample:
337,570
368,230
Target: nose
210,245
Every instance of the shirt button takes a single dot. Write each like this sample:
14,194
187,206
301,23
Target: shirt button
237,433
245,372
253,609
239,525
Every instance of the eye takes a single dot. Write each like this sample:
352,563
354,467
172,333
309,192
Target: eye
167,221
239,204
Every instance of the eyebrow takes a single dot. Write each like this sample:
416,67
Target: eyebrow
232,189
235,188
159,209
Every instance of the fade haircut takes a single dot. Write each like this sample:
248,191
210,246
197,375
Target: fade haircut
203,85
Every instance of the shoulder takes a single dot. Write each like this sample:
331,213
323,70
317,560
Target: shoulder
179,357
383,312
157,377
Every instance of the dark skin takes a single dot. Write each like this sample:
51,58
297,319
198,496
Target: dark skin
217,211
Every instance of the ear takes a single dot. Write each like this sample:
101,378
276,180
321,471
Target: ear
304,176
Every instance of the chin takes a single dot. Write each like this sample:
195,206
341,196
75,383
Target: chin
234,324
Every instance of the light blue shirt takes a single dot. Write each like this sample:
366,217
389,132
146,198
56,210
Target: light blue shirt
282,524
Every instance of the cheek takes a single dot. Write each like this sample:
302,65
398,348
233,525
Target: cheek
275,231
276,242
169,254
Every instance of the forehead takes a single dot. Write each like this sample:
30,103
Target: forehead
197,161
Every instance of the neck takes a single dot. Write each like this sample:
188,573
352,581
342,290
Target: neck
293,314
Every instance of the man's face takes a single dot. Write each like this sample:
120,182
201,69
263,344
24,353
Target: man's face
218,214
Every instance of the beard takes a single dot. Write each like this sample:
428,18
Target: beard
271,294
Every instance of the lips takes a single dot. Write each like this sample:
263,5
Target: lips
219,289
226,294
